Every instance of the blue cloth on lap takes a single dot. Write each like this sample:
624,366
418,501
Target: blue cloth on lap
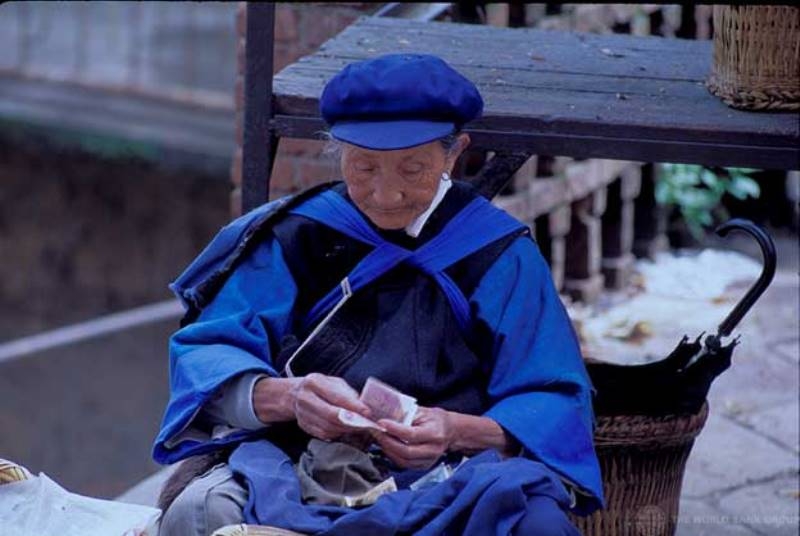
486,496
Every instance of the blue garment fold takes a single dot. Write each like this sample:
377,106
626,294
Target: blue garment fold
456,241
231,336
217,252
537,386
486,496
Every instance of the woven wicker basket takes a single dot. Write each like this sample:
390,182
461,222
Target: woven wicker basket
642,460
757,57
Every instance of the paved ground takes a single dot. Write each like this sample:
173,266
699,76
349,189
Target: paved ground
86,414
742,475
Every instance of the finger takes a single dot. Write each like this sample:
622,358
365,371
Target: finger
411,453
389,442
313,430
409,434
311,408
309,403
397,429
337,392
320,428
326,419
405,456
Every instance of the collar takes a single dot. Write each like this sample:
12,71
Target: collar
415,227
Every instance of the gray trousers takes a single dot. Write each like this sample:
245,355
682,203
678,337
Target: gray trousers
209,502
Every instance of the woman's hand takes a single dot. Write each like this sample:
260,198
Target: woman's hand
417,446
312,400
436,431
317,400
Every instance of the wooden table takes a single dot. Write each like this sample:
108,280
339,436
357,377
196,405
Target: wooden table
546,92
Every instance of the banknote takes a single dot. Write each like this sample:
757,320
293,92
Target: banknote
386,402
372,495
440,473
355,420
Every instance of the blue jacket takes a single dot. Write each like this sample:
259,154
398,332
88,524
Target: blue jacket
537,388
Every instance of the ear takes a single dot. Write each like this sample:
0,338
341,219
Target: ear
462,142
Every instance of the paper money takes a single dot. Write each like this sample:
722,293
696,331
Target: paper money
440,473
371,496
386,402
357,421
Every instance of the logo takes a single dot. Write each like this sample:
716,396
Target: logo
651,521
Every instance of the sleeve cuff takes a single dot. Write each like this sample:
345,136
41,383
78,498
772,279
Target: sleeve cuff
233,404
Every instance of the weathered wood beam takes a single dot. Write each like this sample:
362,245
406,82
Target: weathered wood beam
260,144
421,11
578,180
603,146
559,221
498,171
583,279
617,228
650,221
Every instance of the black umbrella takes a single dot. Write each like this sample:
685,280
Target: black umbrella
679,383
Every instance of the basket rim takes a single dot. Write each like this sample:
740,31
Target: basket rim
642,430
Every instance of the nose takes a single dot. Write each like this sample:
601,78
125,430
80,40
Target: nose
385,195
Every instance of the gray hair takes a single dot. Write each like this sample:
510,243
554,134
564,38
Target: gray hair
333,147
450,141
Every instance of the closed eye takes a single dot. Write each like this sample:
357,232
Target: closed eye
413,170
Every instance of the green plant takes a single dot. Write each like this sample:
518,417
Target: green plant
697,191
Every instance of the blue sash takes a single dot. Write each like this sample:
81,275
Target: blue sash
477,225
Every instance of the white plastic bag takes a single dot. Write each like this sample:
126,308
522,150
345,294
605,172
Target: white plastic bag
40,507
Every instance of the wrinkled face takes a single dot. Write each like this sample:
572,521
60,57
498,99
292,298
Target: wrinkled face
394,187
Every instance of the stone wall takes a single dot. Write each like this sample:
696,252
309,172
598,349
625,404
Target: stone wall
82,236
175,50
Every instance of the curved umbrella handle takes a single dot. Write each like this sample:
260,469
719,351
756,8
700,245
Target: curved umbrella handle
767,273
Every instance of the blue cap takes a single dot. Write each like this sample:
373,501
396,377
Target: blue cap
397,101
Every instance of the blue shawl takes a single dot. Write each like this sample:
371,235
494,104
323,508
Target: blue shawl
538,388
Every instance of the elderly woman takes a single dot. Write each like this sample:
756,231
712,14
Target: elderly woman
397,273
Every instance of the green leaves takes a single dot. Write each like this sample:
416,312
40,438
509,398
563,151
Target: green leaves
742,187
697,191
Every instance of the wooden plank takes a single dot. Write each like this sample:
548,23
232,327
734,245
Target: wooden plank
641,149
562,93
538,49
511,36
651,109
317,70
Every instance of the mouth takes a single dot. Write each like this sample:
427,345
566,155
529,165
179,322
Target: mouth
387,210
